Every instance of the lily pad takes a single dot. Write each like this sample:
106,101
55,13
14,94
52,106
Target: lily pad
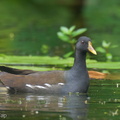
33,61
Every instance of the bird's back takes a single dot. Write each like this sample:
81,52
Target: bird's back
34,82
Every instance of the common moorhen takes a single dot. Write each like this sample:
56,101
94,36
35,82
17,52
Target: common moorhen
74,80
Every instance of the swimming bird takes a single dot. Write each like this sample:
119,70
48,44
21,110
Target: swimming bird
70,81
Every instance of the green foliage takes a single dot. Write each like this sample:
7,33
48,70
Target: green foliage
69,35
44,48
105,49
45,63
96,13
27,25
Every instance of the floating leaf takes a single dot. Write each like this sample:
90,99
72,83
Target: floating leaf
78,32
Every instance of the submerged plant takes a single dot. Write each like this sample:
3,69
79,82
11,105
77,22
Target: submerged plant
105,49
69,35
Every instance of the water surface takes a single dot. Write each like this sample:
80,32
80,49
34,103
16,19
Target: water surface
101,103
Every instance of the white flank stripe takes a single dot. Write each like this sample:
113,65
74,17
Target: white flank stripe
38,86
35,86
28,85
48,85
60,83
7,87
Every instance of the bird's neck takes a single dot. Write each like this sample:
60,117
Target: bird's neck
79,61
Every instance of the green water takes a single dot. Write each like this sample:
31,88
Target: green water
28,28
101,103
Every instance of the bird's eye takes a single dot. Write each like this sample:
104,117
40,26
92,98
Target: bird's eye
82,42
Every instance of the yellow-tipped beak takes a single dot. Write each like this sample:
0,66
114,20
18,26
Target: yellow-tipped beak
91,49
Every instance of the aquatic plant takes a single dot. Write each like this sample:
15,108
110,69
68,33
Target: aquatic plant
105,49
69,35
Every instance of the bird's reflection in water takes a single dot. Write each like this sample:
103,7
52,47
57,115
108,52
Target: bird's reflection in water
70,107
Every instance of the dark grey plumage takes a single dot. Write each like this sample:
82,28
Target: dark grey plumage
74,80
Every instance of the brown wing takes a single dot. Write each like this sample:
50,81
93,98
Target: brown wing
39,78
92,74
